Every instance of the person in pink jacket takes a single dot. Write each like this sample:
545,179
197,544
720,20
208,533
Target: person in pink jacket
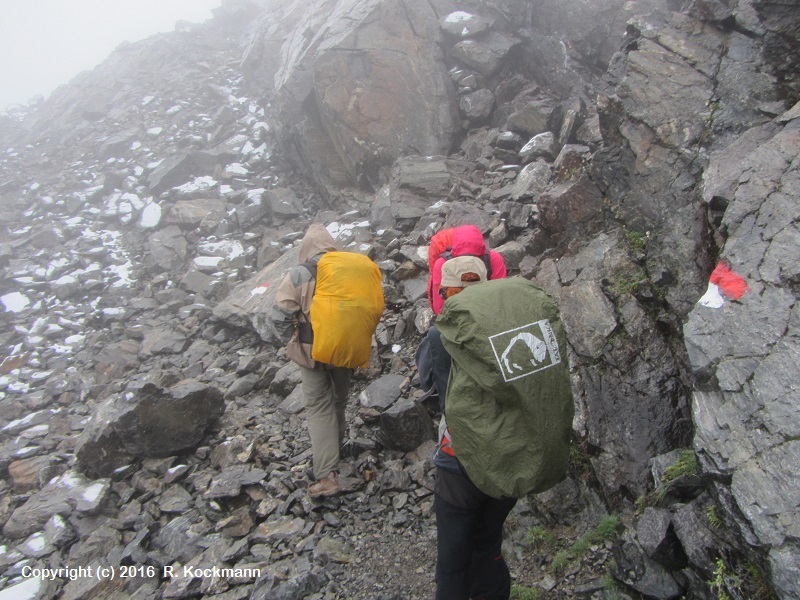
467,241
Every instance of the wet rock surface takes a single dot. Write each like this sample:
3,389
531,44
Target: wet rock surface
150,207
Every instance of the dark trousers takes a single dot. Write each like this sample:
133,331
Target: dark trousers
469,524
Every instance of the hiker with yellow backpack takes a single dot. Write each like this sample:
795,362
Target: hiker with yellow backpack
326,311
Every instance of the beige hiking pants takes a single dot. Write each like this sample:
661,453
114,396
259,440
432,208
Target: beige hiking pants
325,393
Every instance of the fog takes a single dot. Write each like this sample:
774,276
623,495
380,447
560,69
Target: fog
45,43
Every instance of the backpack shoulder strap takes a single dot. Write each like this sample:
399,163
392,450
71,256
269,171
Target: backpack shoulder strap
487,260
305,331
311,267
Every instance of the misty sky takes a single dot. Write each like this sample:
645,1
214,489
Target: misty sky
45,43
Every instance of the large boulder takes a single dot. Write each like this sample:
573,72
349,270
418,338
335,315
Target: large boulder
249,305
362,83
147,421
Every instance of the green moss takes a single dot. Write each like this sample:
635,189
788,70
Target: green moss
630,282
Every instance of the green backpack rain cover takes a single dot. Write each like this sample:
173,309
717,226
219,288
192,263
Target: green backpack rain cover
509,399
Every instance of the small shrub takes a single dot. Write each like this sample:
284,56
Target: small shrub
717,582
685,465
756,583
579,457
540,538
713,517
636,240
560,561
604,530
743,580
581,545
609,582
607,527
521,592
611,586
630,282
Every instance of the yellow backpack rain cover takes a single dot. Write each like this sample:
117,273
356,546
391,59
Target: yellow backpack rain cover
346,308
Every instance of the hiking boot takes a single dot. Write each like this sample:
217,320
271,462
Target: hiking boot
327,486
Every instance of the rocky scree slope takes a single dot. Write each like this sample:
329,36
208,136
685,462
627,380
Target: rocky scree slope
150,203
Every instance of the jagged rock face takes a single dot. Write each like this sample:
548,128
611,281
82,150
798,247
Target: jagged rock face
349,93
611,151
746,353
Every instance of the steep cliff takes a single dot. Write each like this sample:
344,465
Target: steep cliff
614,152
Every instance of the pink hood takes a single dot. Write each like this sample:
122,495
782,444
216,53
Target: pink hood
468,240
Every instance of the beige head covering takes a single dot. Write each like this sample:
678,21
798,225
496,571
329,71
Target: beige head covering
316,241
455,268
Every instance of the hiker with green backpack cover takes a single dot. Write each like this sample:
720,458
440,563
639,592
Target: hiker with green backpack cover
497,359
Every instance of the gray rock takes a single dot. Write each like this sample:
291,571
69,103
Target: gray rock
692,156
532,180
193,212
588,317
286,379
61,496
243,385
657,538
228,484
643,574
383,392
168,248
162,341
463,24
299,586
172,172
382,111
512,252
695,533
419,181
294,402
406,425
249,304
176,539
478,105
485,55
282,528
784,562
283,203
535,117
175,500
151,421
330,549
542,145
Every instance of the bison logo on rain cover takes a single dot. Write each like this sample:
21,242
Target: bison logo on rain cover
525,350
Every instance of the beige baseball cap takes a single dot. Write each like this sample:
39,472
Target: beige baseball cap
455,268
